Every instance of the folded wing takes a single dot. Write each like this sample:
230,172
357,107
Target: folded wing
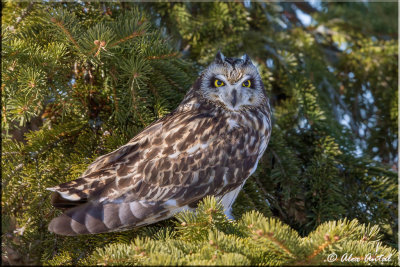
166,168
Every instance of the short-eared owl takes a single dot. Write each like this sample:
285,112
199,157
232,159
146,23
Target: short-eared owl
209,145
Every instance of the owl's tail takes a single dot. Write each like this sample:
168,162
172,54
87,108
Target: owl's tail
96,217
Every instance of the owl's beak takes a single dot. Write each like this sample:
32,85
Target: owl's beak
234,98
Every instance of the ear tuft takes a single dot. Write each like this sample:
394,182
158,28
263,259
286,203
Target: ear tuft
246,59
219,58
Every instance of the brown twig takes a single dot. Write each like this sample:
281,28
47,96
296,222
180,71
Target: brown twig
271,237
92,50
134,104
98,45
318,250
174,84
162,56
133,35
153,90
328,242
260,185
59,24
279,161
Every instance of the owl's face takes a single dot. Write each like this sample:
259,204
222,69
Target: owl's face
233,83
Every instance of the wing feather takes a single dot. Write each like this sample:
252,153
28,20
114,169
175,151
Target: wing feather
139,166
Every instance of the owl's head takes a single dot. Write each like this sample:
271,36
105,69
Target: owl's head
233,83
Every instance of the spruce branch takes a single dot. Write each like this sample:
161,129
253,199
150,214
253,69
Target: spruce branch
67,33
258,182
59,138
133,35
174,84
328,241
99,45
114,89
135,101
162,56
4,113
279,161
270,236
153,89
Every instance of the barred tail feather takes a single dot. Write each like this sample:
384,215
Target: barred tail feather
96,217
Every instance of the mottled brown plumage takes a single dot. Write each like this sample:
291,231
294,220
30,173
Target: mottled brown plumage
209,145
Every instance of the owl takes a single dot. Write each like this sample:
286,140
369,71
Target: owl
209,145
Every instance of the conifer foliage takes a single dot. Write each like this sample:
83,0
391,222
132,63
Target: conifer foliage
80,79
206,237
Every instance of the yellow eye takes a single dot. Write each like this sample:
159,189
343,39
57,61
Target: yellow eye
246,83
218,83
